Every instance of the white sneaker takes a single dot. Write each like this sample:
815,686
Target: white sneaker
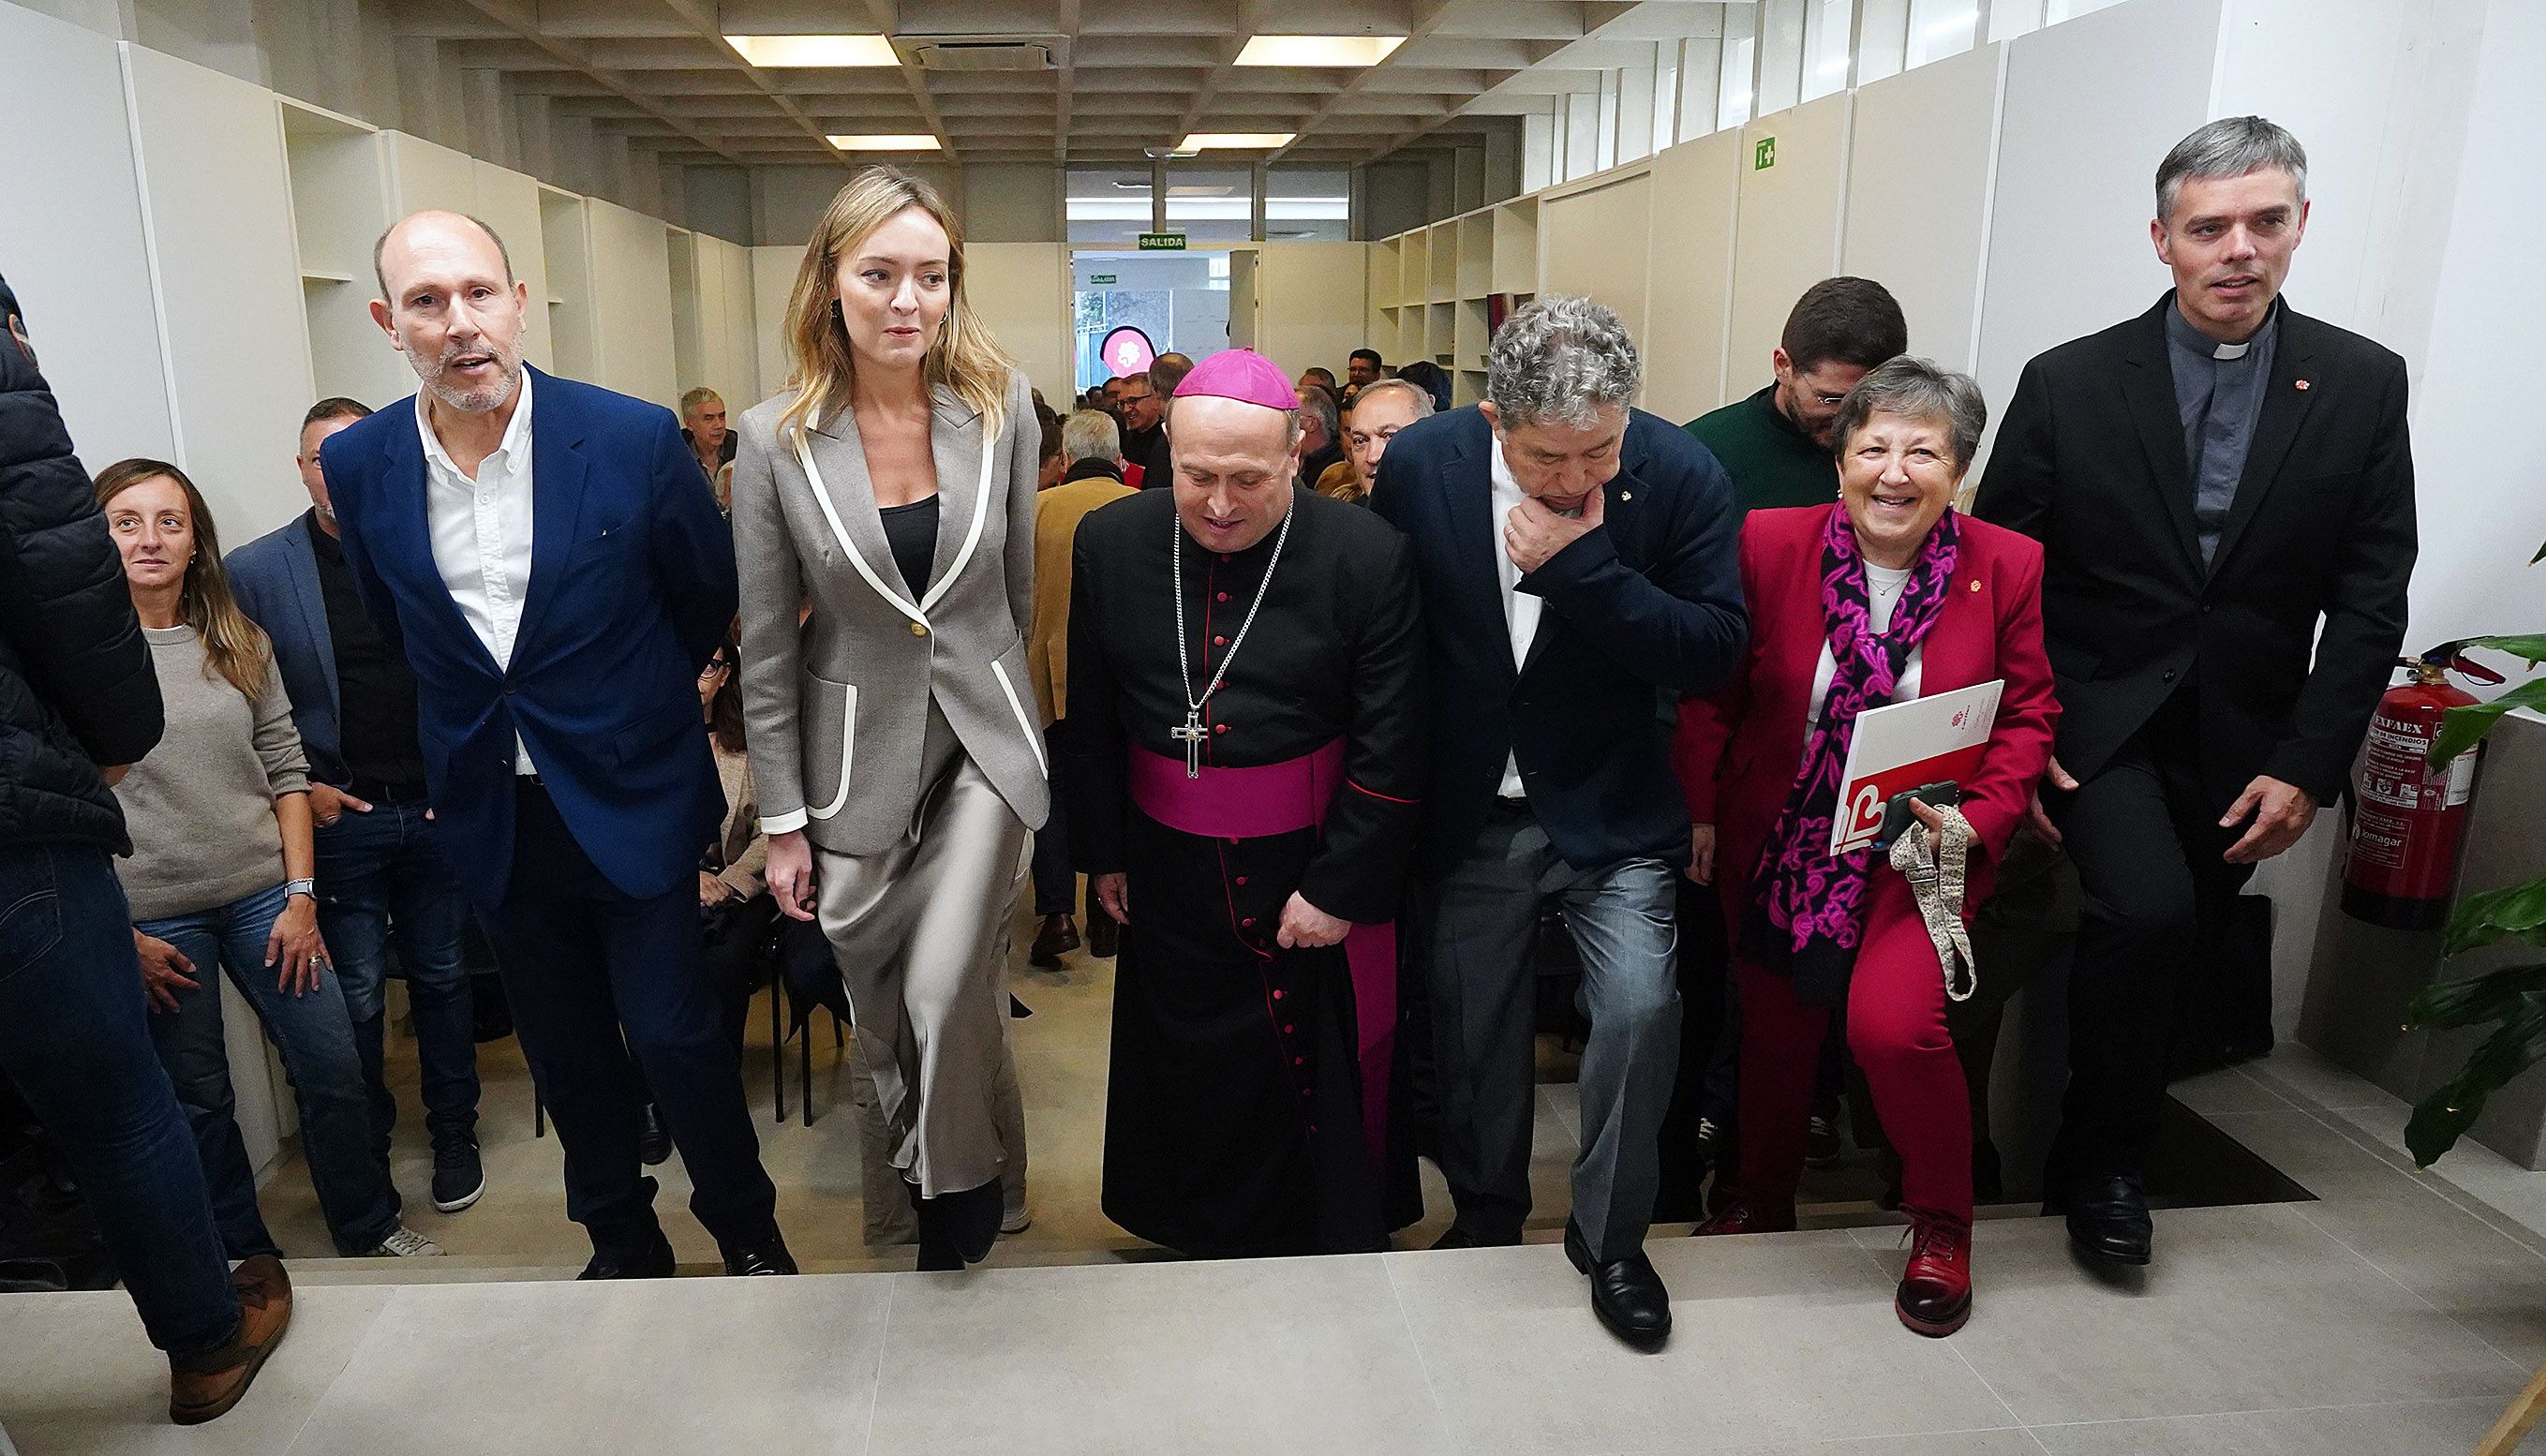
1017,1222
404,1244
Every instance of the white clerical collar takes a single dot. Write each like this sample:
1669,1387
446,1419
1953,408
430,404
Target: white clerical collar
2231,351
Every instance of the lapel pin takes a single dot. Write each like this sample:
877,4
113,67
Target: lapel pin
1976,585
2302,383
1626,495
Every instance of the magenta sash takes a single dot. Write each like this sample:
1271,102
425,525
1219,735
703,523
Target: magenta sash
1281,798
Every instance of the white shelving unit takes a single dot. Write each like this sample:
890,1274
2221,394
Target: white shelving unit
1445,278
339,204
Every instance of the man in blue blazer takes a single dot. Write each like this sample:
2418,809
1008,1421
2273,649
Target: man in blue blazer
354,699
549,562
1578,576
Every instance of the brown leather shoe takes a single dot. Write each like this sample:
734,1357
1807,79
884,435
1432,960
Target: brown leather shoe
203,1387
1059,933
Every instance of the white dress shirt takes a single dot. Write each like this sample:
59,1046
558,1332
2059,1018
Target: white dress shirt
1883,588
481,534
1520,608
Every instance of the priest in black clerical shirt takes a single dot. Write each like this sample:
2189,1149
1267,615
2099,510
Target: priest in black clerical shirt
1243,748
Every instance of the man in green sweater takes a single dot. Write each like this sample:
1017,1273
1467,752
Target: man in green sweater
1776,443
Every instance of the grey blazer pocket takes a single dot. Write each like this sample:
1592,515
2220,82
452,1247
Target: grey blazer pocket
653,731
828,712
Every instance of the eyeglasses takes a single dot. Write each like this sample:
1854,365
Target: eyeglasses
717,667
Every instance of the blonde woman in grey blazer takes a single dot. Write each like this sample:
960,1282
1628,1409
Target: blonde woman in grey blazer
885,502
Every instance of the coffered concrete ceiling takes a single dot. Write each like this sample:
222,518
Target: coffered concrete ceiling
1128,75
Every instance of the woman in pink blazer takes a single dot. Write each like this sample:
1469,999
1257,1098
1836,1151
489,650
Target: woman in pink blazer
1888,595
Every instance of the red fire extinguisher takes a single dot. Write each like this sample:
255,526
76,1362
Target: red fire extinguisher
2410,818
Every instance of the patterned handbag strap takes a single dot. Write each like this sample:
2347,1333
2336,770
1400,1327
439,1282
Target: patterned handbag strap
1937,882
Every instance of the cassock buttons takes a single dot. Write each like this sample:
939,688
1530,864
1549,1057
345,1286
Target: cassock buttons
1241,879
1221,728
1287,1030
1249,922
1298,1062
1277,995
1219,641
1224,596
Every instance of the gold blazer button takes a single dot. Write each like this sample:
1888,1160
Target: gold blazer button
919,628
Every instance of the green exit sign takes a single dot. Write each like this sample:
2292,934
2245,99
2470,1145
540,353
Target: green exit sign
1162,242
1099,279
1764,155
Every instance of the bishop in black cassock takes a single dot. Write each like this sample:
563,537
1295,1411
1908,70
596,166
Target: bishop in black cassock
1248,1110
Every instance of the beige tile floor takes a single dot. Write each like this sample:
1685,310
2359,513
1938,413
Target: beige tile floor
2391,1317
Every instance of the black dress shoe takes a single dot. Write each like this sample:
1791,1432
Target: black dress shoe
1626,1293
652,1260
1457,1238
761,1256
1103,935
1059,935
2108,1218
654,1140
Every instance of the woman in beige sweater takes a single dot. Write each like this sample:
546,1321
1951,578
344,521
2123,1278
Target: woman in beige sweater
220,876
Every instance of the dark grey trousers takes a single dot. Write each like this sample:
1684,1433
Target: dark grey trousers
1477,920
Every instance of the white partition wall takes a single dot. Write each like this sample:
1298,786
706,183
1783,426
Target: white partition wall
1786,232
1691,265
75,257
773,279
632,303
566,250
2091,106
219,202
509,202
1593,241
1309,304
339,204
426,174
1923,144
1021,292
741,386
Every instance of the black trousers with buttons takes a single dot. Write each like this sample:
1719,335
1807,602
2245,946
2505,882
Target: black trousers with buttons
2146,838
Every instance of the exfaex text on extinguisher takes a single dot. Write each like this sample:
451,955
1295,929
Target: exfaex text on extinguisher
2410,818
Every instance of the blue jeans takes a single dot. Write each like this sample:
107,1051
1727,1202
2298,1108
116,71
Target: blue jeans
316,1039
73,1037
379,874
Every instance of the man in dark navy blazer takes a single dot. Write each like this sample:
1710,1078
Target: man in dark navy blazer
1576,562
550,564
380,873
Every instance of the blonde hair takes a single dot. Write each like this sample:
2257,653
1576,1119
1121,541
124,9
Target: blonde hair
964,357
233,645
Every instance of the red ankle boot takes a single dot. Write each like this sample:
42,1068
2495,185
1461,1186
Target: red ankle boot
1935,1297
1741,1217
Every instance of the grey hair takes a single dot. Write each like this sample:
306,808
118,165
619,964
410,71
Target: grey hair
1422,396
2231,146
1562,359
1090,434
1315,400
1919,390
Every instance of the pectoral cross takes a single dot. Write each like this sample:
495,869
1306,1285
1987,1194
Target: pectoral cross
1191,736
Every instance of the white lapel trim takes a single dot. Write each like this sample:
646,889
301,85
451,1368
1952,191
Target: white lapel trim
972,537
840,532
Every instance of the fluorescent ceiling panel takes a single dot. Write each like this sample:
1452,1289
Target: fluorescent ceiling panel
896,141
816,51
1318,51
1234,140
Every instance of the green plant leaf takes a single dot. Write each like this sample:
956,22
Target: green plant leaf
2530,649
2440,1119
2513,909
2462,729
2492,997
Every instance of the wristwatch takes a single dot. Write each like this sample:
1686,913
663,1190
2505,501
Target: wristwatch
308,888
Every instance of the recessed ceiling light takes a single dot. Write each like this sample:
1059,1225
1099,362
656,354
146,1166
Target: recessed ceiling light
814,51
1318,51
894,142
1234,140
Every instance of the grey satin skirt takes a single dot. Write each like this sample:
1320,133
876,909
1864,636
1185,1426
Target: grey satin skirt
920,931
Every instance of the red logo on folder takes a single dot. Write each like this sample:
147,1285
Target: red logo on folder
1903,745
